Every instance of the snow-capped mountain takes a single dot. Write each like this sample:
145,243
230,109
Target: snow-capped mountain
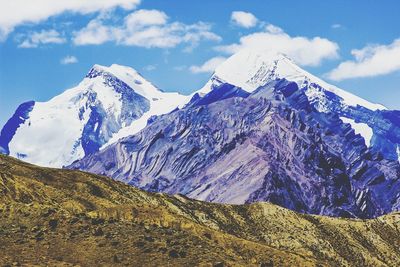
263,66
263,129
250,69
110,102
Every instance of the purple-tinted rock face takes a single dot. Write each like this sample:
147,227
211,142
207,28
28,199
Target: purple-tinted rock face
272,145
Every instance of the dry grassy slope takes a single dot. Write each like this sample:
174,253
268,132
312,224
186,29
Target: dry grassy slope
67,218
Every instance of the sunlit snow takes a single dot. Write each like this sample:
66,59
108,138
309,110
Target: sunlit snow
360,128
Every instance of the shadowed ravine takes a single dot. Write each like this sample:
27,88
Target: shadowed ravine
66,218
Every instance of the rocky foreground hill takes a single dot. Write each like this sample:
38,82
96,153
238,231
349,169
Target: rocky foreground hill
66,218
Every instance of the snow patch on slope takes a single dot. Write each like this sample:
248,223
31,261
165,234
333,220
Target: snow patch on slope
317,97
360,128
398,152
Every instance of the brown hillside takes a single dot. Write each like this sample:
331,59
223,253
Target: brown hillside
66,218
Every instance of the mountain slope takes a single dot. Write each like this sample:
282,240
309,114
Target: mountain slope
287,142
61,217
82,119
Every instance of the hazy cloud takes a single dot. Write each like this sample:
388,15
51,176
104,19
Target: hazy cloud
35,39
150,67
336,26
69,60
180,68
209,66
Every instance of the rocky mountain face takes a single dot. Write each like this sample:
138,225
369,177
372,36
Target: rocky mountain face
265,130
81,120
67,218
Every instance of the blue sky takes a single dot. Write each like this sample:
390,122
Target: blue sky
47,49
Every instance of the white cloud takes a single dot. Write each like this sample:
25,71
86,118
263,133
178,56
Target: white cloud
145,17
305,51
17,12
93,34
69,60
274,29
180,68
44,37
209,66
372,60
145,28
244,19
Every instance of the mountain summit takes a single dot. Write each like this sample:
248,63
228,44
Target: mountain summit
263,129
82,119
252,69
249,69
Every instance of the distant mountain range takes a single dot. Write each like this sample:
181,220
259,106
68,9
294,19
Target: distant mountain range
261,129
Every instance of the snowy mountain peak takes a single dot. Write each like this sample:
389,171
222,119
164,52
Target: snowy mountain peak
78,121
250,69
108,104
131,77
114,69
98,67
97,70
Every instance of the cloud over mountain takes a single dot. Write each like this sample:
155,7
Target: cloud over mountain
303,50
208,66
371,60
